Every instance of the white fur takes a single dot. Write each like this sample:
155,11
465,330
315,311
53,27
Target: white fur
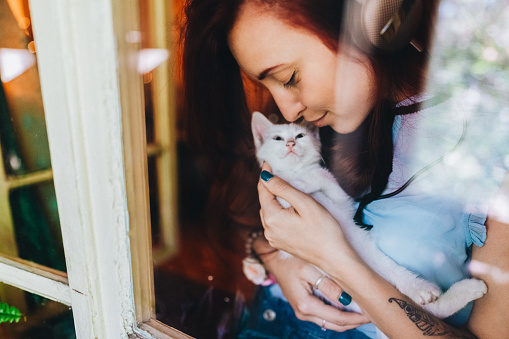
302,170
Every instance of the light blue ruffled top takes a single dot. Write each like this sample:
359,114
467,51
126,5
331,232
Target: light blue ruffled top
430,226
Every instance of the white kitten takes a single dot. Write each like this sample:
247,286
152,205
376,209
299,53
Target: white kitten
293,151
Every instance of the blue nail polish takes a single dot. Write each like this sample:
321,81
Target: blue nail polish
266,176
345,299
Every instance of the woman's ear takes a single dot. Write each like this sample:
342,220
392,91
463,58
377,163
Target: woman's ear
259,126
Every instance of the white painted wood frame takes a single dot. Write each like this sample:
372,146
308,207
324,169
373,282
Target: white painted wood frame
88,90
93,103
77,55
35,278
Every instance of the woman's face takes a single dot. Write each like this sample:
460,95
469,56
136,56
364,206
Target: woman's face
305,78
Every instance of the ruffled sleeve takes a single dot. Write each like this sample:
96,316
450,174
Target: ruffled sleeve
475,230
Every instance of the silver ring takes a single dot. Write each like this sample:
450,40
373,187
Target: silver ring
318,281
323,325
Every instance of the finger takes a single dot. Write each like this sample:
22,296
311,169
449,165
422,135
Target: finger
324,286
332,291
332,326
266,166
268,200
339,320
316,311
275,186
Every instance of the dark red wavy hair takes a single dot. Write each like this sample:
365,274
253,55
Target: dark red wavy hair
216,110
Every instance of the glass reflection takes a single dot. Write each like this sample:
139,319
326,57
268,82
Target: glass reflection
37,227
41,318
199,287
29,223
200,290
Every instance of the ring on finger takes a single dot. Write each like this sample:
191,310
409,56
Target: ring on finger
323,325
318,281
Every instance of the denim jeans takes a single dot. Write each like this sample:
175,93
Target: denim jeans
270,317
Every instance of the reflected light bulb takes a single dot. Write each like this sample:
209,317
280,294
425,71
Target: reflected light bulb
14,62
150,58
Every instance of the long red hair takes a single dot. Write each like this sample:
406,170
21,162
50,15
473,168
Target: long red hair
216,110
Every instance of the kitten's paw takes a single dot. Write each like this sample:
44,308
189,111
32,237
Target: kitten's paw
430,294
424,292
470,289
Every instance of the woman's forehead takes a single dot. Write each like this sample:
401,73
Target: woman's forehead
261,40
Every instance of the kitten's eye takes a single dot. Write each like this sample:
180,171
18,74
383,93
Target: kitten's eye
277,137
300,135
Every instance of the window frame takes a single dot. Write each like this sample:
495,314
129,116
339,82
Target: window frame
82,108
93,101
94,109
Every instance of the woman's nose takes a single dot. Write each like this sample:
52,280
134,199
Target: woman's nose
289,106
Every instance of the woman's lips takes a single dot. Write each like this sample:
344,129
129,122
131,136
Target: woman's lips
319,122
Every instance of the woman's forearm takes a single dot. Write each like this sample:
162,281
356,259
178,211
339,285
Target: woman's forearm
391,311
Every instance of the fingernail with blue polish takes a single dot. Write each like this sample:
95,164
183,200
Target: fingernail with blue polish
266,176
345,299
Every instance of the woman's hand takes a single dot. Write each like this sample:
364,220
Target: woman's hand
297,279
306,230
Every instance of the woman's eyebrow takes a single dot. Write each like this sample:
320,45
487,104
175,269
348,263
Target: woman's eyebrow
264,73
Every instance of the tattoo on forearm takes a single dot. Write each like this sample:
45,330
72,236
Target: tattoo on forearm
429,325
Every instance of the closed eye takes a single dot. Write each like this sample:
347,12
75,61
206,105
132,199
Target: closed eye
292,81
277,137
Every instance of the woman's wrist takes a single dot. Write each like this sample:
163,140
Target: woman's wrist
336,255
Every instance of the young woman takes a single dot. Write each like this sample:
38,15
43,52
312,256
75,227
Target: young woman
293,48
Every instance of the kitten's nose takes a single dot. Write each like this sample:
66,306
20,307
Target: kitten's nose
290,143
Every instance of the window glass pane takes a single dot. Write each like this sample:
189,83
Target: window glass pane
29,222
154,201
471,58
24,139
41,318
199,285
200,288
37,227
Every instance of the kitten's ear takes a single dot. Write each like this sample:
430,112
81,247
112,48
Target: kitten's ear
259,126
